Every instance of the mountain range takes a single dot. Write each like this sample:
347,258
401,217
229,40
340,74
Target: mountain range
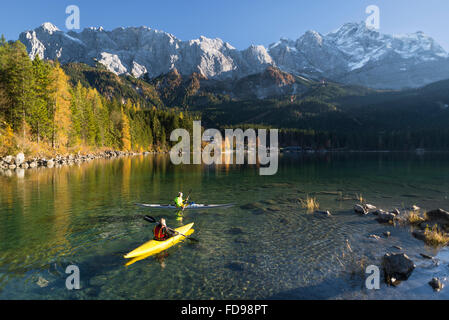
352,54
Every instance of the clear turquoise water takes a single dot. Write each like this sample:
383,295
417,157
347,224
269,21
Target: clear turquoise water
265,247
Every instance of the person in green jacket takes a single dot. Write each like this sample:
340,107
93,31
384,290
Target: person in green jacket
180,203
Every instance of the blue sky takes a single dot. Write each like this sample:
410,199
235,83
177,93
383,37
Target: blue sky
239,22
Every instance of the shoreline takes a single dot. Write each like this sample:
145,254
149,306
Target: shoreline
20,162
13,163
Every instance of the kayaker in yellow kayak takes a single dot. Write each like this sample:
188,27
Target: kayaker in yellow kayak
162,232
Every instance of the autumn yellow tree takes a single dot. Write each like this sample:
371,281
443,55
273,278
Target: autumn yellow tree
61,98
126,134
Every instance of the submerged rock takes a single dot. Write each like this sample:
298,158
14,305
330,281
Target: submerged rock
235,231
235,266
251,206
397,267
269,201
387,234
436,284
259,211
419,234
284,221
425,256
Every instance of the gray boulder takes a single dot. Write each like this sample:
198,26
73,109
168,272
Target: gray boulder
385,217
50,164
397,267
20,158
24,165
439,215
360,209
8,160
395,211
378,211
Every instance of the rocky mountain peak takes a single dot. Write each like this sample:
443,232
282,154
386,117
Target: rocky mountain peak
352,54
49,27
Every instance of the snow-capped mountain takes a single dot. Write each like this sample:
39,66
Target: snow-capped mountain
143,50
352,54
358,55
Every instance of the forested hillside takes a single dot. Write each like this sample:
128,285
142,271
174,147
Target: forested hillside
43,110
48,108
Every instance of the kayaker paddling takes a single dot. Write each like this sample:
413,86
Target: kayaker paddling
162,232
179,202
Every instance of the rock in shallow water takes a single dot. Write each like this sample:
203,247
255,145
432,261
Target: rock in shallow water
419,234
251,206
395,211
385,217
360,209
324,213
426,256
438,215
436,284
235,266
235,231
397,267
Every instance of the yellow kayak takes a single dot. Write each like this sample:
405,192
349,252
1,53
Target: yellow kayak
153,246
144,256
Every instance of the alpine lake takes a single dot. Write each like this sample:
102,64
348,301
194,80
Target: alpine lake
267,246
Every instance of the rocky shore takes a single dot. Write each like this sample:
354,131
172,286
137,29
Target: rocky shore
432,227
11,163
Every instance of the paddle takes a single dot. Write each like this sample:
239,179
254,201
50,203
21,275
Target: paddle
187,200
153,220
